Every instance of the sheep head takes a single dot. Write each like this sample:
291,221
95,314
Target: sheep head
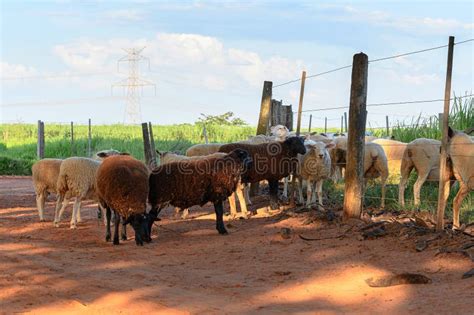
295,145
318,149
279,131
243,157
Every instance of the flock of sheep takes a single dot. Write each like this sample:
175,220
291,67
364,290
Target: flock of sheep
124,186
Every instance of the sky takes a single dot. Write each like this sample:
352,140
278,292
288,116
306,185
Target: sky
59,59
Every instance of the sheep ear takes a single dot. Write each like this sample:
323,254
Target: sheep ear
451,132
330,145
158,152
124,153
101,154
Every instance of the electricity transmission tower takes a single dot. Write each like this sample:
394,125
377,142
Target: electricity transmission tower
133,84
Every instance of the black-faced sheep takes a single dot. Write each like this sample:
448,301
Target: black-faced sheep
122,187
187,183
271,161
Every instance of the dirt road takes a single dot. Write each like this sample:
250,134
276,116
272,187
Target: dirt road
189,268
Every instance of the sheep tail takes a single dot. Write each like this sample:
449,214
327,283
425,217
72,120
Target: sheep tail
61,185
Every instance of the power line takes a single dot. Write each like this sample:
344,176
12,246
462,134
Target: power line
55,76
389,103
374,60
63,102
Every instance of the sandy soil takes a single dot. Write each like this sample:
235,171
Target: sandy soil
189,268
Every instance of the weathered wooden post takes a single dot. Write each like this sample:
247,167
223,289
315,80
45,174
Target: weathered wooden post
146,144
89,140
300,105
440,122
354,176
325,124
265,107
152,145
263,120
443,160
72,138
40,143
342,124
289,117
204,132
345,122
387,126
310,119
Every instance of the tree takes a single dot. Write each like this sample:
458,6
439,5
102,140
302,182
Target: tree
226,119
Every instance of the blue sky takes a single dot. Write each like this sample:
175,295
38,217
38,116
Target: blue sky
59,58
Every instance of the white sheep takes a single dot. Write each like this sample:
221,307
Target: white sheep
422,155
45,174
77,176
314,168
203,149
375,165
394,152
461,152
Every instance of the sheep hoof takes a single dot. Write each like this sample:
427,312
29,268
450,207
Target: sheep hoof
222,231
42,220
274,205
108,238
116,242
56,224
124,238
73,227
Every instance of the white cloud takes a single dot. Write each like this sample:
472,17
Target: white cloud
420,79
8,70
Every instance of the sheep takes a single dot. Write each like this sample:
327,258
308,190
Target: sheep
460,151
314,167
203,149
77,179
320,137
122,187
169,157
271,161
394,152
375,162
45,174
423,155
196,182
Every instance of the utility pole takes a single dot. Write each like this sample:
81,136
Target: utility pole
133,83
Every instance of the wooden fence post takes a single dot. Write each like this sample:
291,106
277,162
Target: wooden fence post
345,121
354,176
289,117
300,105
204,131
342,124
146,144
265,107
325,124
152,145
40,144
310,120
443,160
89,140
72,138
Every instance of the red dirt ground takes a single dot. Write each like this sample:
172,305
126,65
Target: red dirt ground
189,268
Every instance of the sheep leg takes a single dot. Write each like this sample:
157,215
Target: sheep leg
124,231
185,213
462,193
240,196
417,187
232,206
61,204
319,189
315,190
177,210
405,170
285,187
108,215
273,194
75,209
309,192
40,199
116,229
246,188
219,208
300,190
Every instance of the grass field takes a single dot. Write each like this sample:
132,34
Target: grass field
18,146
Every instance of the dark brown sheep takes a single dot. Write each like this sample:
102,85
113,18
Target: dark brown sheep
195,182
122,187
271,161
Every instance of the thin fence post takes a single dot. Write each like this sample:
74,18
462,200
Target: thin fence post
146,143
345,121
342,124
440,122
89,140
325,124
387,126
300,105
40,144
152,145
204,131
443,160
72,138
354,175
310,120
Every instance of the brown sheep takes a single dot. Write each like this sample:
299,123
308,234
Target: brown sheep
122,187
271,161
195,182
